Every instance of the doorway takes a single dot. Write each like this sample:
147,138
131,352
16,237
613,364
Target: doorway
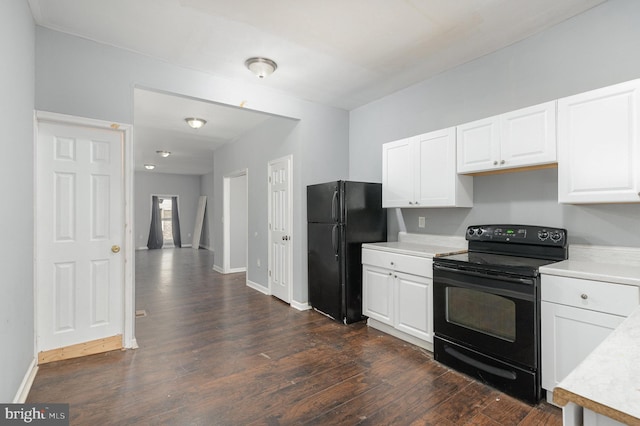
235,217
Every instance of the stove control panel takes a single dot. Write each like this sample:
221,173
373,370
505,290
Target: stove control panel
523,234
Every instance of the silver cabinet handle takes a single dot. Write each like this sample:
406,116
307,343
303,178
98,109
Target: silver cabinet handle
495,163
584,296
502,162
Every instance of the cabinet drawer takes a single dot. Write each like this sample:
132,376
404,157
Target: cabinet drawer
617,299
415,265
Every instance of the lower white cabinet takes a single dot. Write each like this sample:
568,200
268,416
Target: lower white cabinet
397,291
576,316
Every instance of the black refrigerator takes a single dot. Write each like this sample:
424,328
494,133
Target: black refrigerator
341,215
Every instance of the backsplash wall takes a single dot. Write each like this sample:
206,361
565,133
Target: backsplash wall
531,198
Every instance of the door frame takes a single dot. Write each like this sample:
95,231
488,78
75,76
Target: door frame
128,248
226,223
289,159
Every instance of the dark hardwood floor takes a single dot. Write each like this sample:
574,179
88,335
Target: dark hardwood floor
215,352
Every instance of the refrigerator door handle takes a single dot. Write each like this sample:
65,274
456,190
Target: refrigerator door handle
334,240
334,212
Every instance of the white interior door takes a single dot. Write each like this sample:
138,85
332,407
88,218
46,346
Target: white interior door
79,231
280,226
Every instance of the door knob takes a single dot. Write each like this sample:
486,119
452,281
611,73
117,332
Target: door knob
115,248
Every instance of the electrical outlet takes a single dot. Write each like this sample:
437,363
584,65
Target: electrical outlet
420,221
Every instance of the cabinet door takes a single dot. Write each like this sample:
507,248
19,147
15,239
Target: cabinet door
414,305
568,335
377,294
397,174
436,182
528,136
478,145
599,146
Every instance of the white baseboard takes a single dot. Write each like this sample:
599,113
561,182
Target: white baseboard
27,382
258,287
142,248
234,270
300,306
186,246
218,269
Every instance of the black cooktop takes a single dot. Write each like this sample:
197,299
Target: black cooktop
498,263
511,249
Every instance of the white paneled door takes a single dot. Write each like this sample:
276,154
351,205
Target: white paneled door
280,227
79,231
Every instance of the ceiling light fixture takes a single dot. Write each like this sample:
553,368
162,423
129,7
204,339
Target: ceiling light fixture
262,67
163,154
149,166
195,123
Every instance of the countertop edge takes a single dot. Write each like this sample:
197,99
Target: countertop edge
562,397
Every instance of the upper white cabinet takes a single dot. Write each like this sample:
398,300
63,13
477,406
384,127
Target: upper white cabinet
599,145
521,138
420,171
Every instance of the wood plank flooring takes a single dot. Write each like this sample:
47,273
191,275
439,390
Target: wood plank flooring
215,352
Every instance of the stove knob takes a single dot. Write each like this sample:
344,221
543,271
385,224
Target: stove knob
480,231
471,231
543,235
556,236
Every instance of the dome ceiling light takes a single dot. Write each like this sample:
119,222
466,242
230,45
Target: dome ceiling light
163,154
195,123
149,166
262,67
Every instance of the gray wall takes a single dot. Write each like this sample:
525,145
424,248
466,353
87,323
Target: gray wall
16,186
273,139
146,184
80,77
592,50
238,222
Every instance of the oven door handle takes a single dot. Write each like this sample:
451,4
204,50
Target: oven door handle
501,277
500,372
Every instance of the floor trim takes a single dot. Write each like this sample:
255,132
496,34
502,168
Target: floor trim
300,306
81,349
258,287
27,382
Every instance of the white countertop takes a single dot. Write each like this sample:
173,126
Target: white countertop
619,265
608,380
422,245
620,274
414,249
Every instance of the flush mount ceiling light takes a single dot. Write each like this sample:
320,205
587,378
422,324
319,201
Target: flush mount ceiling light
262,67
163,154
149,166
195,123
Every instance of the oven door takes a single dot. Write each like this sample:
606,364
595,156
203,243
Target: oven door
494,315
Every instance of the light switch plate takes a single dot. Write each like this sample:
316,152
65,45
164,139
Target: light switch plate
420,221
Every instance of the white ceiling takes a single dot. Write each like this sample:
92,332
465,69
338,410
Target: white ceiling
159,124
343,53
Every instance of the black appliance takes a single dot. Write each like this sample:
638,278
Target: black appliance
486,305
341,216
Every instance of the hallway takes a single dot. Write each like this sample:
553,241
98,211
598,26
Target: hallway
215,352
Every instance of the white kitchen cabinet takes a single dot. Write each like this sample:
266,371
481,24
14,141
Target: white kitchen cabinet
413,312
377,293
397,291
599,145
576,316
420,171
517,139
